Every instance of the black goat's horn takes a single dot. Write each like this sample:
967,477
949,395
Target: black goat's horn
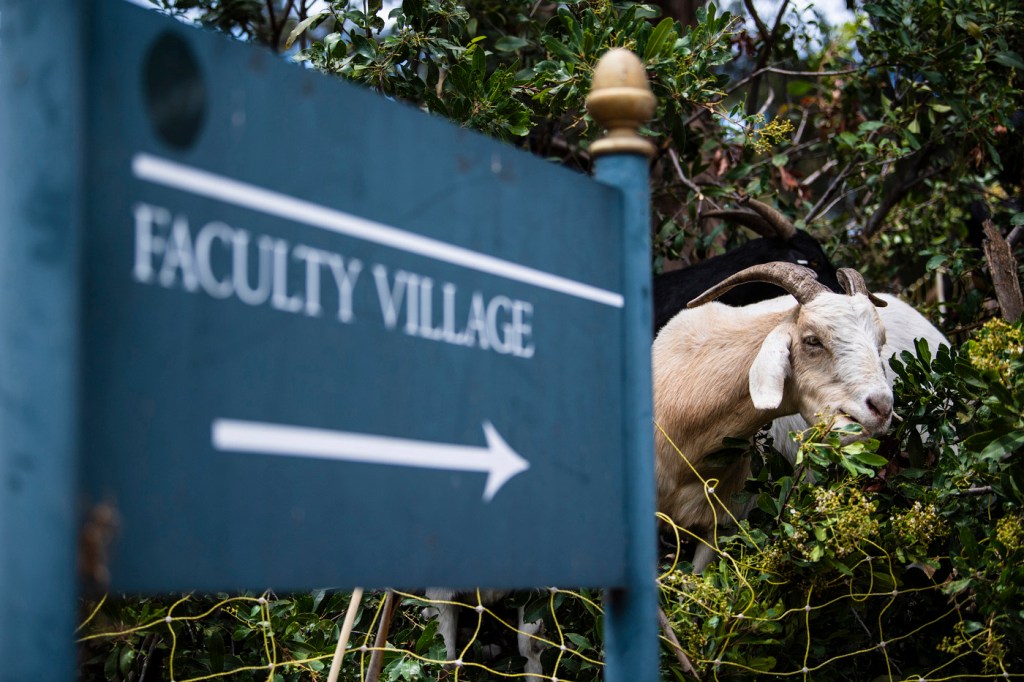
781,223
799,281
747,219
853,283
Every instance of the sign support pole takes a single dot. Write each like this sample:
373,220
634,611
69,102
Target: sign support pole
42,136
621,100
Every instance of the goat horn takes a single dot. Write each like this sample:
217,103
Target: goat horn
781,223
747,219
853,283
799,281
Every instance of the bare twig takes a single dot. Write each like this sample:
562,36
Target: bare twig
829,165
677,648
273,23
980,490
277,28
827,194
762,28
898,191
814,74
674,157
152,639
767,101
757,73
804,115
1015,236
766,49
862,623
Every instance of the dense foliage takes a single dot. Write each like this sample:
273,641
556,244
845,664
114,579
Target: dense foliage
906,566
891,139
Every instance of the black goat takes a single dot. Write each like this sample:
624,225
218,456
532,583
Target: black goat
780,241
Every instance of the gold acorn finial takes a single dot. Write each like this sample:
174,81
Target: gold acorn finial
621,101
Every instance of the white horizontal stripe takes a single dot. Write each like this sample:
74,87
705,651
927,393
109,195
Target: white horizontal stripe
300,441
212,186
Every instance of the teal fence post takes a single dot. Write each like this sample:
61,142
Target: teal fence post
41,143
620,100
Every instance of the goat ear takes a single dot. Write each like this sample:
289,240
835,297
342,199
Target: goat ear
770,369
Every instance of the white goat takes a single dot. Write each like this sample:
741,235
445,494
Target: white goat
720,371
903,324
448,625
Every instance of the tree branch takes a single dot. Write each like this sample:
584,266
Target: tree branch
832,186
674,157
766,49
813,74
272,35
1003,267
1015,236
897,192
677,648
703,111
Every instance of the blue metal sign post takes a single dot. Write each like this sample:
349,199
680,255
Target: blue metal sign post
41,198
621,101
406,356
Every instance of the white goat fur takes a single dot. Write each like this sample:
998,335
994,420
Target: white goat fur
720,371
903,324
448,625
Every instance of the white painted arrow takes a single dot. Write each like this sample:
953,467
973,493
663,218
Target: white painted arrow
497,459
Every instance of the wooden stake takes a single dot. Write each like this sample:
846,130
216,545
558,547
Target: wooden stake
346,632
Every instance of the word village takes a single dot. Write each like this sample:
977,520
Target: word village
226,262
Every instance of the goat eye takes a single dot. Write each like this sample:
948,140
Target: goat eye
812,342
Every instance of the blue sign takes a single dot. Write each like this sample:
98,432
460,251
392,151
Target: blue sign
330,340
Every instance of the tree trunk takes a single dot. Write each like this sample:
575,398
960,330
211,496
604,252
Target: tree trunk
1003,267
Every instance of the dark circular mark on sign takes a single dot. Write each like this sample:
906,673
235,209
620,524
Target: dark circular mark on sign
174,91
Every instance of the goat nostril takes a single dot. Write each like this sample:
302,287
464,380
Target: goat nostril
880,406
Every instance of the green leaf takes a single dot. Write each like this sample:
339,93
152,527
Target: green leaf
799,88
848,138
427,636
215,648
663,32
956,586
510,43
762,663
302,26
1004,445
1011,59
126,659
767,504
579,640
869,458
1017,219
555,47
